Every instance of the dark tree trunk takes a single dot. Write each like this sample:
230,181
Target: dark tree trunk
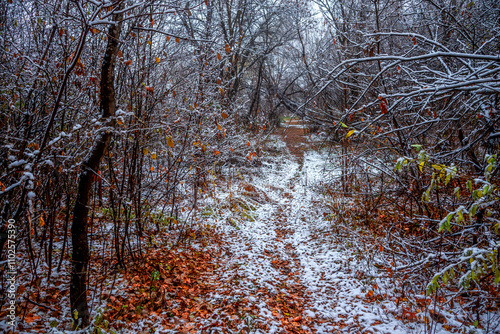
79,229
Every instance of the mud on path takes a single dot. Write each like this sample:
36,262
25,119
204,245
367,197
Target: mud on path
295,141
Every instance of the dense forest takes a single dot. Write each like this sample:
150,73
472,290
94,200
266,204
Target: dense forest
249,166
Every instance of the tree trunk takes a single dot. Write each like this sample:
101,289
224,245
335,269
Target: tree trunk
79,229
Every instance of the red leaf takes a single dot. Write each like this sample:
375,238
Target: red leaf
383,106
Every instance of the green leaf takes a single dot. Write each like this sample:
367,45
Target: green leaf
473,210
441,226
448,178
469,185
457,192
398,166
445,223
343,125
445,278
425,196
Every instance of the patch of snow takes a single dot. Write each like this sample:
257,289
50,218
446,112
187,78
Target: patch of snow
16,163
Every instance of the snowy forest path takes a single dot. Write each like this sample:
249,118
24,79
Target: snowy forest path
287,260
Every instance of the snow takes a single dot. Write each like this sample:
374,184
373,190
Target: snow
290,227
17,163
59,137
28,175
49,163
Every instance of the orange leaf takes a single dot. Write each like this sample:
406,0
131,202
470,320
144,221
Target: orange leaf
227,48
381,249
224,115
152,168
170,141
168,38
219,127
128,62
177,39
263,128
248,144
174,93
219,56
254,154
31,317
231,150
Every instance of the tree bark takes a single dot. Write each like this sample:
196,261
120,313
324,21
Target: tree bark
79,229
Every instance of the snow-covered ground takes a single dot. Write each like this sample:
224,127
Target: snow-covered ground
282,239
285,269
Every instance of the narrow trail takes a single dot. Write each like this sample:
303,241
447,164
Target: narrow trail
283,259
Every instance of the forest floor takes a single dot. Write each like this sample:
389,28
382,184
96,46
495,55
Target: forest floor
274,264
262,258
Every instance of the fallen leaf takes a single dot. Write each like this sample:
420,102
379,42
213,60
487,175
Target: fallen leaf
170,141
